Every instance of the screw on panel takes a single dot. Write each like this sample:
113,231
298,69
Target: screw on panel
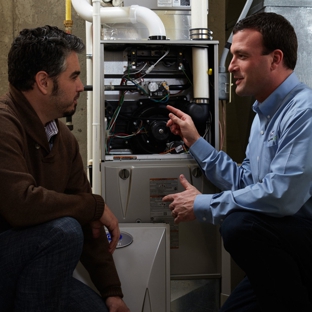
196,172
124,174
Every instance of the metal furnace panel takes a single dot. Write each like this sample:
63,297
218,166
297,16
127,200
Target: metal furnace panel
133,190
143,263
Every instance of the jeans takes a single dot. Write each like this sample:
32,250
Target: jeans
36,267
276,255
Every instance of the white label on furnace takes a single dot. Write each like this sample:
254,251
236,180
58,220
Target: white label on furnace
164,3
162,187
181,3
159,210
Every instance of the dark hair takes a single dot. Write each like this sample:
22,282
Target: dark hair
43,48
277,33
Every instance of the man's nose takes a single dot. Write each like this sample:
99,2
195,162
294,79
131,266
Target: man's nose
232,65
80,86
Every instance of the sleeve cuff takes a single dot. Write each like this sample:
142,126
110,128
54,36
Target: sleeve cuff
99,206
201,150
202,208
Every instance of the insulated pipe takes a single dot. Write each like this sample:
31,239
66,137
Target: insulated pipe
199,12
226,49
133,14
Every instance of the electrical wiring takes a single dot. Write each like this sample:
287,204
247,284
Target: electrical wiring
185,150
116,112
208,128
168,151
185,74
126,135
137,78
123,136
166,53
135,73
165,99
152,66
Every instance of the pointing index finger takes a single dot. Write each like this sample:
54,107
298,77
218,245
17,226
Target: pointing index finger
175,111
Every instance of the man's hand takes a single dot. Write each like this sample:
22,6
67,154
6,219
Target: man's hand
116,304
182,124
110,221
182,204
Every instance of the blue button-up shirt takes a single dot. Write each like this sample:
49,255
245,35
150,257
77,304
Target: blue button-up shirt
275,178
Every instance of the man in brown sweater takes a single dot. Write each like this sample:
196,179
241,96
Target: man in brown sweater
49,218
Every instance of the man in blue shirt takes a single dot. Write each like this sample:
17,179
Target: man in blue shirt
265,205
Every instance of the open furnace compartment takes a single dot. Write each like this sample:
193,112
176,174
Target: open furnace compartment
140,80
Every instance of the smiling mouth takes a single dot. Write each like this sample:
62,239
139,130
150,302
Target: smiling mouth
238,80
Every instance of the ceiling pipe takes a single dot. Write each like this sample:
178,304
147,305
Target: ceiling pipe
133,14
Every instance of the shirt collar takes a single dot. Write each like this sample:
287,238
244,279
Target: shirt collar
51,129
270,105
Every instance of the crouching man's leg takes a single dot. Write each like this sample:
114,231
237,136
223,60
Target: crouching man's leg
276,255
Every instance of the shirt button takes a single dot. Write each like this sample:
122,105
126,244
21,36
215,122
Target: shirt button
204,219
37,146
261,132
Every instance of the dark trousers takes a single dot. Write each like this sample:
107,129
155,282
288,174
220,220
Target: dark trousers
36,267
276,255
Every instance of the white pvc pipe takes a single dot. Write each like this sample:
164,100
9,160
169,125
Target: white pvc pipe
96,133
199,12
133,14
149,18
89,81
199,19
200,73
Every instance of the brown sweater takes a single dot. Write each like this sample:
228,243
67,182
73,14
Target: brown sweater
38,185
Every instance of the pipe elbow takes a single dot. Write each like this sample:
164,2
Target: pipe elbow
83,9
199,113
150,19
133,14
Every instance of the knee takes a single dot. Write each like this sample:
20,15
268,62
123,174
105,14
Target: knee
67,231
234,230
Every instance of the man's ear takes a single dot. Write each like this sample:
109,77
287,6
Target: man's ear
42,81
278,57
